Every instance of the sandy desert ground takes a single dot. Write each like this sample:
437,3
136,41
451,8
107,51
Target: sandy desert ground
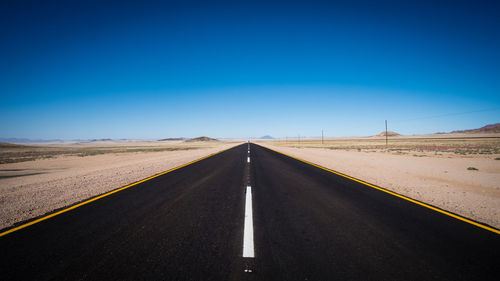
459,173
38,179
436,169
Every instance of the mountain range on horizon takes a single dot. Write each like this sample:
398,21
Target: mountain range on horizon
490,128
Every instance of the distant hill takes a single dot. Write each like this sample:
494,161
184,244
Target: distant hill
266,137
172,139
94,140
492,128
389,134
201,139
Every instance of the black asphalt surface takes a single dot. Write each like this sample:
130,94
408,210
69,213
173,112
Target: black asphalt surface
309,224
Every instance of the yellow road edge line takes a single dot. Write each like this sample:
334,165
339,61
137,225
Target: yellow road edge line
396,194
105,194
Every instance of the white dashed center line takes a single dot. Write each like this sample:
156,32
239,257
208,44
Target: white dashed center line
248,251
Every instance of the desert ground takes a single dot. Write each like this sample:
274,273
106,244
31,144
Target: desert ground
38,178
456,172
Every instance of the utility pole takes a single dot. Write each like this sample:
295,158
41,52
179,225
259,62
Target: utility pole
299,139
322,137
385,133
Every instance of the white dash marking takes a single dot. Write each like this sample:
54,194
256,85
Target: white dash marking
248,251
248,159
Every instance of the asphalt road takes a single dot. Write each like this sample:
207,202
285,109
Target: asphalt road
309,224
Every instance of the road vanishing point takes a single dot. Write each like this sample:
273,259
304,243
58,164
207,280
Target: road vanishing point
250,213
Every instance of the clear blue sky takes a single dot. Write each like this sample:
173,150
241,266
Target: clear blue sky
120,69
